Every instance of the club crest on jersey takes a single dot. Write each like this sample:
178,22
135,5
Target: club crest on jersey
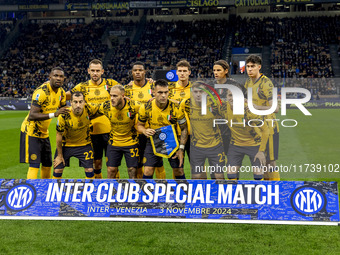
160,118
54,101
97,92
80,124
182,94
140,95
119,116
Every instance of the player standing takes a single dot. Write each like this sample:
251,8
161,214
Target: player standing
123,139
221,75
35,147
206,140
96,91
180,91
249,136
159,113
140,90
262,89
73,137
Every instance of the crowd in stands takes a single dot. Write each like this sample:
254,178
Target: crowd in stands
299,45
317,87
41,47
5,29
163,44
299,50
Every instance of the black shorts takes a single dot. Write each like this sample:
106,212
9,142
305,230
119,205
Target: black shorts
141,146
236,154
83,153
115,155
99,144
35,150
272,150
187,147
226,137
150,159
215,156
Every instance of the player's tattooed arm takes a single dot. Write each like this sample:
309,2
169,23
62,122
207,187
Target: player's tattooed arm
183,140
36,115
60,158
184,133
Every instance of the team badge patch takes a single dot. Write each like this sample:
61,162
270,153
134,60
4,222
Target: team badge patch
160,119
97,92
119,117
34,156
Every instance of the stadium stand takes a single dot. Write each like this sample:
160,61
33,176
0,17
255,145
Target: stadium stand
41,47
299,47
163,44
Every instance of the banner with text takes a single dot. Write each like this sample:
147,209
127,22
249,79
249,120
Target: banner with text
186,199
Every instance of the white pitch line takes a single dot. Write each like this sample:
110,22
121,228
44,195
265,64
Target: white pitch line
182,220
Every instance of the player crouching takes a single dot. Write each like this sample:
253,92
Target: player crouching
73,137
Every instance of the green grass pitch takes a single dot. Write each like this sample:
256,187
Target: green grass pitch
316,140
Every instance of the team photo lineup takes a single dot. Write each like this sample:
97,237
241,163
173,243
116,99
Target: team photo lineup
126,124
107,119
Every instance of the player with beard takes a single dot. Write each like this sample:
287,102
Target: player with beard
96,91
159,113
123,139
73,137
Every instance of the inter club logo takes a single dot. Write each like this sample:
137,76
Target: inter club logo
182,94
170,75
307,200
20,197
140,95
119,117
162,136
97,92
